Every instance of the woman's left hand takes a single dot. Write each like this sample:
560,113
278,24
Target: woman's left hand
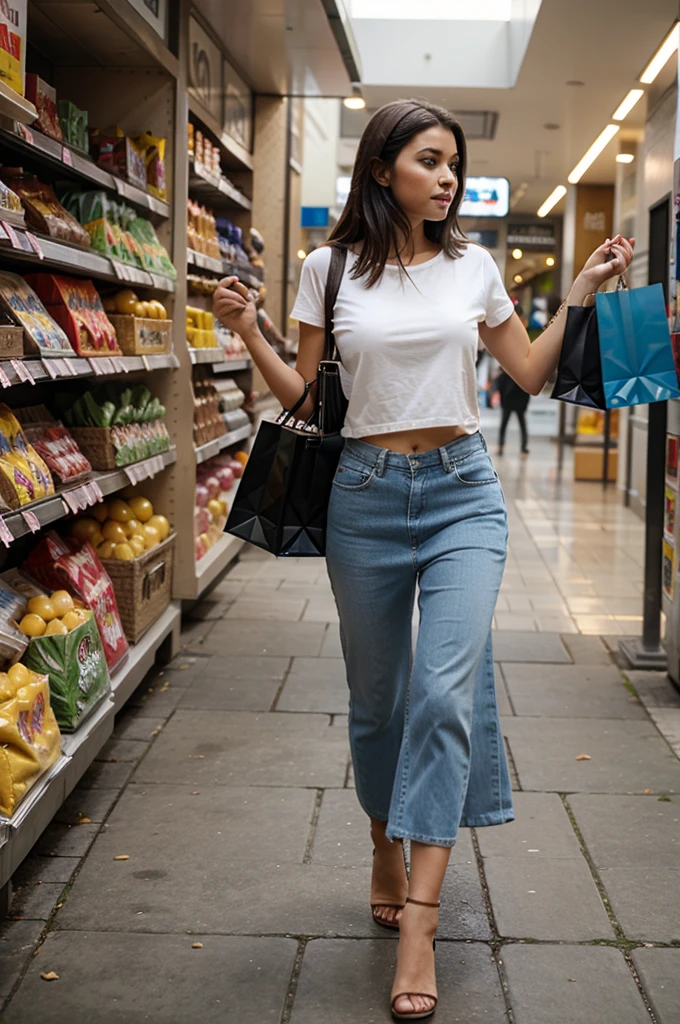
597,270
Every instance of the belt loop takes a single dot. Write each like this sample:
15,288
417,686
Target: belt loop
481,438
380,462
446,460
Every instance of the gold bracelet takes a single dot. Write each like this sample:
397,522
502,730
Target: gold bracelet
555,316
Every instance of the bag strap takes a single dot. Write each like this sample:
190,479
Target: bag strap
336,269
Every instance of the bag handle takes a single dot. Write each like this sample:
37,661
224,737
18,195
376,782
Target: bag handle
336,269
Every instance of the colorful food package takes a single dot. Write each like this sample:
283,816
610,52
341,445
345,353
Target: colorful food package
12,605
73,123
76,306
44,212
42,335
24,477
13,44
155,256
56,447
77,670
153,149
10,200
30,741
54,564
112,150
44,98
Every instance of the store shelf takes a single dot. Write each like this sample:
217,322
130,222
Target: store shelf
80,260
212,565
215,190
234,155
142,655
214,447
245,275
233,365
203,262
14,106
51,509
206,355
70,368
72,163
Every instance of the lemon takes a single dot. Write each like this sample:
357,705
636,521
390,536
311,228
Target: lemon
42,607
111,530
126,301
19,675
137,544
161,524
84,528
56,628
101,511
124,553
133,528
72,620
32,625
106,549
142,509
62,602
120,511
151,536
6,688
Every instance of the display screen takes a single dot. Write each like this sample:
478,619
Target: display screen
486,197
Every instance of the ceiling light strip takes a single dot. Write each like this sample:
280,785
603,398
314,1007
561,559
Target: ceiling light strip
603,139
660,58
627,105
552,200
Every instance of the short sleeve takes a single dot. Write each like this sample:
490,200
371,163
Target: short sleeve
309,304
497,303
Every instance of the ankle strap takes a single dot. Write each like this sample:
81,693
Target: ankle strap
420,903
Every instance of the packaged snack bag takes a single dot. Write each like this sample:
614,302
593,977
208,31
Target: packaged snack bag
30,741
43,210
77,670
24,470
43,336
153,149
44,98
75,305
119,155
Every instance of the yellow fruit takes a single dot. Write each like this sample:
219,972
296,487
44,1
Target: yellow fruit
142,309
137,544
161,524
32,625
62,602
124,553
84,529
43,607
241,457
215,508
114,531
151,536
106,549
18,675
133,528
97,539
161,311
126,301
56,628
6,688
109,303
120,511
142,509
101,511
73,619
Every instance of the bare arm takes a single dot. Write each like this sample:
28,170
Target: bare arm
530,365
235,308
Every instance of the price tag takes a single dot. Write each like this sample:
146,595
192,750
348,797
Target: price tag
145,360
120,365
35,245
70,368
71,499
21,371
121,270
160,282
12,235
106,364
67,156
6,535
31,520
96,490
5,382
51,368
26,132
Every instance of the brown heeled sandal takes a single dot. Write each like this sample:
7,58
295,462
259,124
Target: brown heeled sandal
418,1015
392,925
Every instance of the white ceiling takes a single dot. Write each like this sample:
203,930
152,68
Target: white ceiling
604,45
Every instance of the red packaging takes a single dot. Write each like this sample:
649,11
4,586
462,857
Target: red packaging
76,306
54,564
44,99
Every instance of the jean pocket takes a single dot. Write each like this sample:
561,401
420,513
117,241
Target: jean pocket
353,476
476,469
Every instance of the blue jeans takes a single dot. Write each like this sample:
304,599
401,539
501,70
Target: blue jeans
424,731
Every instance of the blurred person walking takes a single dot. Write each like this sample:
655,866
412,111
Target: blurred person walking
513,399
416,507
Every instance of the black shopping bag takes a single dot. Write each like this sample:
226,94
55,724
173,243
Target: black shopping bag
282,500
579,374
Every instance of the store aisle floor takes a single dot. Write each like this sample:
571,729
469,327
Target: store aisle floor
227,789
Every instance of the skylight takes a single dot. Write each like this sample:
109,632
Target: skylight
432,10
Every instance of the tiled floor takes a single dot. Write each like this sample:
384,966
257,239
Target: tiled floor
228,787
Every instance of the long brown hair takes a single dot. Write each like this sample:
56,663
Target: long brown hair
372,215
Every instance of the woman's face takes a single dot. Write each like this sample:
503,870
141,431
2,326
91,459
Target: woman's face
425,175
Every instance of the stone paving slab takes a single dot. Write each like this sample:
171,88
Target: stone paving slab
541,830
235,748
549,899
646,901
254,638
17,941
117,749
629,831
103,775
227,693
509,645
315,684
94,804
659,971
35,902
654,688
627,756
165,980
278,608
45,869
66,840
502,698
331,647
570,691
133,726
602,990
586,650
345,982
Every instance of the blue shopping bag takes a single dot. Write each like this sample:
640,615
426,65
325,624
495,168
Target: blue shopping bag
635,346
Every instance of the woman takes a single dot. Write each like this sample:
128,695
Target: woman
416,503
513,399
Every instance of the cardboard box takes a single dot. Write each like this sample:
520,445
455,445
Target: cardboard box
589,463
13,44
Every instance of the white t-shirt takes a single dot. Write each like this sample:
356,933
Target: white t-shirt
408,347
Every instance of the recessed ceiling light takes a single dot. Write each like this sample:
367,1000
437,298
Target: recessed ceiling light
518,278
517,254
591,154
551,126
552,200
354,102
550,261
624,158
301,254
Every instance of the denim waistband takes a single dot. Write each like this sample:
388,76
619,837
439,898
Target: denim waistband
447,456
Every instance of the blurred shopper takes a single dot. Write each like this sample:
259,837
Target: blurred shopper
513,399
416,505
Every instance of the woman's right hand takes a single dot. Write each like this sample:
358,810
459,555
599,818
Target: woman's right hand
234,307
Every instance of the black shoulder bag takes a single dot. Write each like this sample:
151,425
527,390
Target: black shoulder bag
282,500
